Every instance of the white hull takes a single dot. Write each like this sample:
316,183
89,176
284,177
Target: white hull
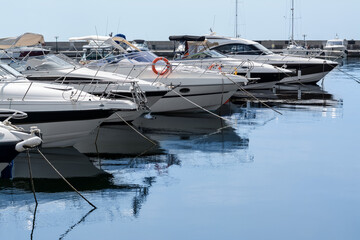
309,78
210,97
205,87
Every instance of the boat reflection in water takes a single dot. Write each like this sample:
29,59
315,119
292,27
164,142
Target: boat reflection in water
116,141
191,136
305,98
57,201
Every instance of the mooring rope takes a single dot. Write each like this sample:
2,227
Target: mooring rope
251,95
135,129
214,114
65,179
31,177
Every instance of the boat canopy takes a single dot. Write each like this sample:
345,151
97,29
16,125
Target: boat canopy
25,40
89,38
105,41
183,38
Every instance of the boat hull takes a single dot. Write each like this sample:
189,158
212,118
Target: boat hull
210,97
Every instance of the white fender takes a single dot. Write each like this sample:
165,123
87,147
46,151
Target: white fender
28,143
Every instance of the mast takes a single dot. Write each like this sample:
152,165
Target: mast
236,18
292,22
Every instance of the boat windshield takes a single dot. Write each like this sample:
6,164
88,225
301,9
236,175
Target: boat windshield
334,43
7,72
4,74
42,62
243,49
205,54
132,57
263,49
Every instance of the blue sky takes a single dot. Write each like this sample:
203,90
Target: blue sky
157,19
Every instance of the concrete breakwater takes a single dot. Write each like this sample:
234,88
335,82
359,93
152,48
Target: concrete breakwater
166,48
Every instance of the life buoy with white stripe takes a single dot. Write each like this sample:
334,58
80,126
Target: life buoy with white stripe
165,70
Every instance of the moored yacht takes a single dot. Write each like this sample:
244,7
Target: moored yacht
193,50
61,112
336,48
306,70
193,88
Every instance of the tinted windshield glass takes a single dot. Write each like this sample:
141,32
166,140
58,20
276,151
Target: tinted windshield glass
243,49
144,56
263,49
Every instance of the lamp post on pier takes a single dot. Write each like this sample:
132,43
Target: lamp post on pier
304,35
56,44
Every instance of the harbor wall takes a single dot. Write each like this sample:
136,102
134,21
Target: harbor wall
166,48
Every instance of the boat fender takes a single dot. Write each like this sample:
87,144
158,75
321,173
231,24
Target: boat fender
167,68
28,143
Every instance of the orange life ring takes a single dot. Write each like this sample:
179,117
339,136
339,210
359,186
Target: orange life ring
167,68
215,65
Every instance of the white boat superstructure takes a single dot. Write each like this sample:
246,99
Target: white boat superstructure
306,70
61,112
193,87
336,48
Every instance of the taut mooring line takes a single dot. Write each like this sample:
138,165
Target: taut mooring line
65,179
135,129
197,105
251,95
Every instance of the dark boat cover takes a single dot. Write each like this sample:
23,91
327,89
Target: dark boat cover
183,38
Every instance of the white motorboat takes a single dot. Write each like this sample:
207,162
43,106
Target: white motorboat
13,139
193,88
336,48
61,112
193,50
60,69
306,70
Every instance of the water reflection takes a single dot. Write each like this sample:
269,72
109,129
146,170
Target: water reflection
200,132
116,168
304,98
116,141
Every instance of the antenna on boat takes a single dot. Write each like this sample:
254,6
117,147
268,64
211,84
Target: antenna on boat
292,22
236,19
213,26
97,35
107,23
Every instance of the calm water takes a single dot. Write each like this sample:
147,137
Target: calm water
262,176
